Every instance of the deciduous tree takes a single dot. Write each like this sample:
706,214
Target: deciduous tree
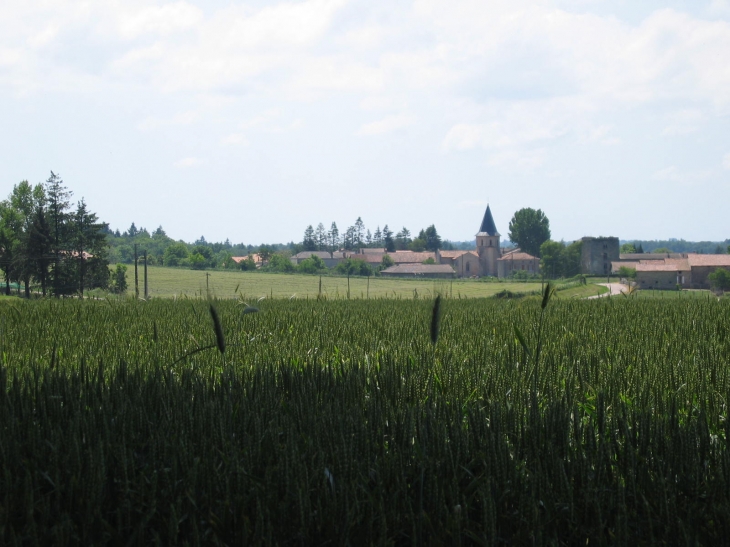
529,228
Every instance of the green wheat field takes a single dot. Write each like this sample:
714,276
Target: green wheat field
365,422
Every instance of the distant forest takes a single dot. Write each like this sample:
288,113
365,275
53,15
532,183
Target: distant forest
680,246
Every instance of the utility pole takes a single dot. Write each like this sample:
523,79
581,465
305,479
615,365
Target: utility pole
136,277
146,293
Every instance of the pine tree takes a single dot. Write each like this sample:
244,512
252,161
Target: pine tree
349,241
378,237
334,237
359,232
403,238
89,249
320,236
309,242
388,241
57,196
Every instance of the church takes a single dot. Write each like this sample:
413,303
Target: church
489,259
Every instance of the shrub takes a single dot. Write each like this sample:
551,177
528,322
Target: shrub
119,279
197,261
279,263
720,279
248,265
312,265
628,273
354,266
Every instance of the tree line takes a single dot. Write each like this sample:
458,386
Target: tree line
357,237
47,243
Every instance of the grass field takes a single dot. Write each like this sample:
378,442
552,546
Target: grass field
675,294
168,282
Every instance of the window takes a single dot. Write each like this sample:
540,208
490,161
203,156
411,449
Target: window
490,242
467,266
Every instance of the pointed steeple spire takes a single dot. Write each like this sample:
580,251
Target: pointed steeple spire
488,227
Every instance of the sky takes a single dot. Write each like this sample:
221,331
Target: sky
251,120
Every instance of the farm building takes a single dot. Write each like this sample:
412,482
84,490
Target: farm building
689,271
398,257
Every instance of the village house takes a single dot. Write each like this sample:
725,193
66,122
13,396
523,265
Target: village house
256,258
670,270
515,261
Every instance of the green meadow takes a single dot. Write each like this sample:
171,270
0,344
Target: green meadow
178,282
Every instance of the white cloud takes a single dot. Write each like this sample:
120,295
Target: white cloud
365,37
386,125
600,134
271,121
685,178
515,160
160,20
518,124
179,119
235,139
726,161
189,162
719,7
683,122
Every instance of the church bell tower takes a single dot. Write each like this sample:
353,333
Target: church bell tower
488,247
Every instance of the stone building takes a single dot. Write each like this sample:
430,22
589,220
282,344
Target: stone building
515,261
597,254
465,263
689,272
488,248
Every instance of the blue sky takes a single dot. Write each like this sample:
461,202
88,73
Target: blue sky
251,120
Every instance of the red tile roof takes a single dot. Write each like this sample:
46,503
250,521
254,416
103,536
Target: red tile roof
398,257
454,254
239,259
657,266
708,260
518,255
419,269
